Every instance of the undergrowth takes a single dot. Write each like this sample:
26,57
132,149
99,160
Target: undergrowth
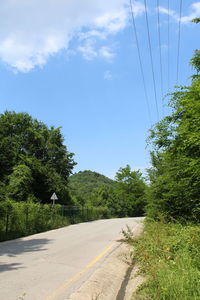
169,258
19,219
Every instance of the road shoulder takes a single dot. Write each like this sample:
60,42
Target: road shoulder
115,278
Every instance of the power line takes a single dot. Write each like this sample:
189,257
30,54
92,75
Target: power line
179,41
151,57
160,52
140,61
168,54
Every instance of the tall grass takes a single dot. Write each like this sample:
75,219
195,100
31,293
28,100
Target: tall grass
169,257
19,219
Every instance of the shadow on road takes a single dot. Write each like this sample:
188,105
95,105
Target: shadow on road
9,267
18,247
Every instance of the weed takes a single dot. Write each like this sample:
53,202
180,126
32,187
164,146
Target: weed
22,296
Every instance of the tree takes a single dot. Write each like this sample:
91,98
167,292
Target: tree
195,61
20,181
33,159
196,20
175,175
130,191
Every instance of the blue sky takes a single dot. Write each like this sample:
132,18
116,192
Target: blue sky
75,65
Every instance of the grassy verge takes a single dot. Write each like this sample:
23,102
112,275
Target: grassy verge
169,256
19,219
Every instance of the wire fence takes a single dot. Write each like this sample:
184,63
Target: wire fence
18,219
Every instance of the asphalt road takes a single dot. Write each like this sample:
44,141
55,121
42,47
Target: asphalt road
51,265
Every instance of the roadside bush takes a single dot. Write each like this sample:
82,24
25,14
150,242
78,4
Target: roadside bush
19,219
22,218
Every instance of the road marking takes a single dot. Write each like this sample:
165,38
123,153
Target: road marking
77,276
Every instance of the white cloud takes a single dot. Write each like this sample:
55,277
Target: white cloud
168,12
34,30
87,50
106,52
113,22
92,34
195,13
108,75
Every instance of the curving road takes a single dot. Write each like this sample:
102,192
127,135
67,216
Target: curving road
51,265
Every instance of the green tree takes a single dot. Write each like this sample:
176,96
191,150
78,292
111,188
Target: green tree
175,175
196,20
20,181
33,158
195,61
130,192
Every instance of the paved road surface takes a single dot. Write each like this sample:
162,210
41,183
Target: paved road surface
50,265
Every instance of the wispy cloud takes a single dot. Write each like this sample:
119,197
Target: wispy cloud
88,50
165,11
194,13
106,52
33,31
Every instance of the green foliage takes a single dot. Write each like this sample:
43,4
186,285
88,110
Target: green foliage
130,192
77,215
34,162
22,218
196,20
195,61
19,219
175,175
169,256
89,188
19,184
124,197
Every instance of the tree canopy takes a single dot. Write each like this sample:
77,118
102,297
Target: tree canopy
34,162
175,175
130,192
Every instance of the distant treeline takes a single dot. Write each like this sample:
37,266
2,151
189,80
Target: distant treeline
125,195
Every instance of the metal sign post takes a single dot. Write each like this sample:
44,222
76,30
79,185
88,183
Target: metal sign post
54,197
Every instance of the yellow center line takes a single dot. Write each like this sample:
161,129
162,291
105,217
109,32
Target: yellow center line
74,278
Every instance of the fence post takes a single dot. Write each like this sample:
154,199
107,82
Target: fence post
27,213
7,223
62,213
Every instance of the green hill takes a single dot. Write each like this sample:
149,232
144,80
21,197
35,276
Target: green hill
85,185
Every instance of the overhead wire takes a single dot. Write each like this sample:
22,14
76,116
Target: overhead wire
179,41
168,48
151,58
140,62
160,52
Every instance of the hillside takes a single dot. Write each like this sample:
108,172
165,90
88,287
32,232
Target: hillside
84,184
